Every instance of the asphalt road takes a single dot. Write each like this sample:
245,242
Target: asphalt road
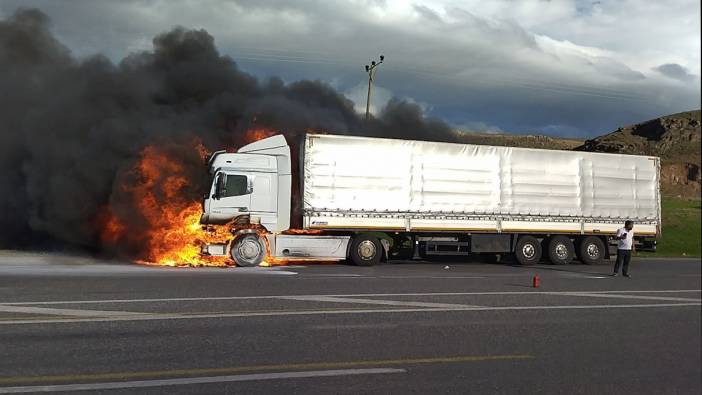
70,323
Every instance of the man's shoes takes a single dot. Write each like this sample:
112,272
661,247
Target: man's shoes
614,274
627,275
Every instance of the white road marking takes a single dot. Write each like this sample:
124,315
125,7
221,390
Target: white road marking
353,326
210,298
154,317
641,297
427,277
375,301
195,380
70,312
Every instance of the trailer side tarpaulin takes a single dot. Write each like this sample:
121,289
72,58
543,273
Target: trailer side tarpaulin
351,175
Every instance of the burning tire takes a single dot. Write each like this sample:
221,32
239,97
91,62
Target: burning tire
366,250
248,250
561,250
528,250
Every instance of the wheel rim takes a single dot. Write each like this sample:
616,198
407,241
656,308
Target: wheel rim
592,250
528,251
366,250
249,249
561,251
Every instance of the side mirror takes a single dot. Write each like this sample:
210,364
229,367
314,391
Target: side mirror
219,187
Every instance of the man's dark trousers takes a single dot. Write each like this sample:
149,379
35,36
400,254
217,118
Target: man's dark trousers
623,256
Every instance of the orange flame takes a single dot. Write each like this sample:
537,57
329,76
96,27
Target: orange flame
252,135
173,235
303,232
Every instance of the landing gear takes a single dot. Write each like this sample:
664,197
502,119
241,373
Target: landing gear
402,248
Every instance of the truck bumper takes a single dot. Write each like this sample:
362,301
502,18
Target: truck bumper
214,249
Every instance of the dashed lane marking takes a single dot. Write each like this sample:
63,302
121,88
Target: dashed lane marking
375,301
70,312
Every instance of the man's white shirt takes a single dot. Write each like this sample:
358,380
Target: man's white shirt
625,243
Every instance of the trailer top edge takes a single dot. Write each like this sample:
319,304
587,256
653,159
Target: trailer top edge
355,137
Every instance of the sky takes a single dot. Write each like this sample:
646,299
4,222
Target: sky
561,68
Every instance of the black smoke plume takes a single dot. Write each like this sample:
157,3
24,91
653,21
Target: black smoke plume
71,128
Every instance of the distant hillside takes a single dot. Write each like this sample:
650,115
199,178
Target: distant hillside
675,138
512,140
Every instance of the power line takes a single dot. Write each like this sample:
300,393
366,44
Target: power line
523,83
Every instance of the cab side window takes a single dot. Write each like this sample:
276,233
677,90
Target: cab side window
235,185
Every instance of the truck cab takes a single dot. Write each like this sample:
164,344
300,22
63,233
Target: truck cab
253,186
250,186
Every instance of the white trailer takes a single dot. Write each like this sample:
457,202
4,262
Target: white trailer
368,199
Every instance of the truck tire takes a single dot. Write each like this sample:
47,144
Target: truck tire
591,250
528,250
561,250
248,250
366,250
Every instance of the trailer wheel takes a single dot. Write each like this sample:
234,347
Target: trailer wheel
528,250
561,250
366,250
591,250
248,250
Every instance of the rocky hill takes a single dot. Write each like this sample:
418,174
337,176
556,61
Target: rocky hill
512,140
675,138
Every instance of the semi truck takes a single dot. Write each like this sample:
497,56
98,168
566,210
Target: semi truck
365,200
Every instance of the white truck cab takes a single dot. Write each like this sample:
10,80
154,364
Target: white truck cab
252,184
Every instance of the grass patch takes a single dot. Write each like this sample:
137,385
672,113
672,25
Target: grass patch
682,223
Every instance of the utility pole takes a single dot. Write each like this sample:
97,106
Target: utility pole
371,75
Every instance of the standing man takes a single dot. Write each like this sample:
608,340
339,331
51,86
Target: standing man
625,246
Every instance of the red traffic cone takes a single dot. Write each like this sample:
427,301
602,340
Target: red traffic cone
536,281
